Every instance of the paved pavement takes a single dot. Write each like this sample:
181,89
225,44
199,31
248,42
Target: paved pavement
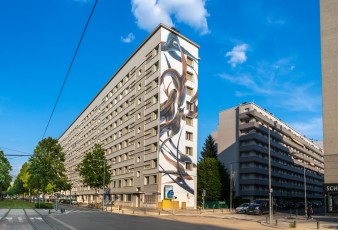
113,218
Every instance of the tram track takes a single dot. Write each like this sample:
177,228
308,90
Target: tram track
2,218
42,217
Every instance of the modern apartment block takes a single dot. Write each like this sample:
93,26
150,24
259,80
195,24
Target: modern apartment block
329,50
243,145
145,118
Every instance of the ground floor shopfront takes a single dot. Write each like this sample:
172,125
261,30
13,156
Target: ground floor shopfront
331,194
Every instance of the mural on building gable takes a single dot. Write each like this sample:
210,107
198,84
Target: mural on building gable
173,113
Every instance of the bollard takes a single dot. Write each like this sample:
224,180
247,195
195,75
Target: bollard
295,224
318,225
49,211
159,212
133,211
276,222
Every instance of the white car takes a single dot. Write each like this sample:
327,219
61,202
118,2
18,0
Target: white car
242,208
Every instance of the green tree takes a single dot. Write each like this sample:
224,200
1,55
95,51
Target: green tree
5,177
209,148
225,182
209,179
94,168
47,168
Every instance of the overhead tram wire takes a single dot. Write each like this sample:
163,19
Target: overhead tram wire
70,66
17,155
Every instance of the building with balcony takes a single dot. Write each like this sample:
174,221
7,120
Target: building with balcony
297,164
145,118
329,51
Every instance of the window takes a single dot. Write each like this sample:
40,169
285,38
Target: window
190,61
138,130
139,72
154,147
139,101
188,151
138,173
139,86
189,121
188,136
190,76
138,115
128,197
146,180
155,67
189,106
154,163
138,159
188,166
138,144
154,115
190,91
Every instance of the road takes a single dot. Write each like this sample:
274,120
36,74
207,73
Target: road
82,218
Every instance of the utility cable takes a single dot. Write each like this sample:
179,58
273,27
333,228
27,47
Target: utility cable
1,147
70,66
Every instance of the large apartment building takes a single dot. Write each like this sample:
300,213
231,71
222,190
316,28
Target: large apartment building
297,164
145,118
329,50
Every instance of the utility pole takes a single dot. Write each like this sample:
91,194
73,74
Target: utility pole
230,187
104,172
270,189
305,202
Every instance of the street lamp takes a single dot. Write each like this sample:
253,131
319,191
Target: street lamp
305,202
270,189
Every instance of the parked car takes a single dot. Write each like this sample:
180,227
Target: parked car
242,208
257,209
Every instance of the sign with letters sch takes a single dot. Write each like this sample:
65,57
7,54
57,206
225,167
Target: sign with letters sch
331,188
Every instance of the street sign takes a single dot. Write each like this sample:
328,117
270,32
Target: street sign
170,194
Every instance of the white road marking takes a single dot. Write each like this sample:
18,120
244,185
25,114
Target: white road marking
20,219
63,223
9,218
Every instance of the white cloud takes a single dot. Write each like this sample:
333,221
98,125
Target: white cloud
312,128
237,54
149,13
277,83
128,39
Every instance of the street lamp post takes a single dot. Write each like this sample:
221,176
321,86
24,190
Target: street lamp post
305,201
104,171
231,187
270,189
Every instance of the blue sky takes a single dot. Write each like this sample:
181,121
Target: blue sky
263,51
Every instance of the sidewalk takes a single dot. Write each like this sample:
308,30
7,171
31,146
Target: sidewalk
284,221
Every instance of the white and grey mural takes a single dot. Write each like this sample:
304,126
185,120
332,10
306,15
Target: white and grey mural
173,114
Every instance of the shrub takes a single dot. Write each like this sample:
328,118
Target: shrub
44,205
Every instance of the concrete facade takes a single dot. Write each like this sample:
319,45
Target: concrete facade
145,118
329,52
242,140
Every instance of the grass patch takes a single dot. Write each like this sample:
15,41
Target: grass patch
8,203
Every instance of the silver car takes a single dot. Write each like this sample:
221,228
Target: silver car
242,208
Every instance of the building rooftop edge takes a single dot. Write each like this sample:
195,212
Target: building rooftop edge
300,135
161,25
